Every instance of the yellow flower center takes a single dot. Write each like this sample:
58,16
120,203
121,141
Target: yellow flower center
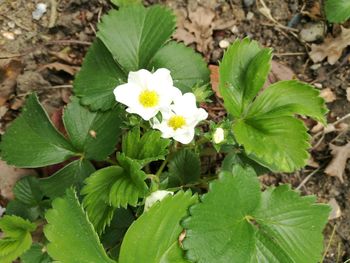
176,122
149,98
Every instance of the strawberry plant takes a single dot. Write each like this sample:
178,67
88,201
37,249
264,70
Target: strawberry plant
133,188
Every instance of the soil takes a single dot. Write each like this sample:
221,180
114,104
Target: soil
44,55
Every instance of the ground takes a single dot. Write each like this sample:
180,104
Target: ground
43,56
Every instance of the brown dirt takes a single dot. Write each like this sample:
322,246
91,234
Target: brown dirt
36,47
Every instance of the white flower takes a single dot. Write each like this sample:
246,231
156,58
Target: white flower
154,197
147,93
219,135
180,119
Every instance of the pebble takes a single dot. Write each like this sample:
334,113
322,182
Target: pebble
224,43
250,15
11,24
8,35
39,11
248,3
312,32
316,66
234,30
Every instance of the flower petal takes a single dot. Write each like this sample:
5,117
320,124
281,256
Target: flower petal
127,93
140,78
185,137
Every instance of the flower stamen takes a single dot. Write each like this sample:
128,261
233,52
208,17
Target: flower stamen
176,122
149,98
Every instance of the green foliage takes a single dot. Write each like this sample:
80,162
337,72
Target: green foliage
122,3
17,238
32,140
235,222
337,11
27,190
184,168
146,148
17,208
187,67
98,76
36,254
113,187
267,127
160,228
73,174
94,134
72,237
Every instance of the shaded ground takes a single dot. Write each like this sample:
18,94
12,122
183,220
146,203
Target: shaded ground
44,55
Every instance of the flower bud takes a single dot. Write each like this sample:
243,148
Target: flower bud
219,135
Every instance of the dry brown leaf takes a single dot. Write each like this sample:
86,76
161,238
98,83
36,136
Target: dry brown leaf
214,79
9,175
331,48
9,70
279,72
181,33
328,95
335,212
338,164
348,94
71,70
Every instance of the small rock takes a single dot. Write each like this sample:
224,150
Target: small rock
318,85
328,95
8,35
335,212
224,43
11,24
234,30
312,32
39,11
248,3
316,66
250,15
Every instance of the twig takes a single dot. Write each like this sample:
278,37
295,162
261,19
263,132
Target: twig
307,178
53,16
290,54
67,86
329,243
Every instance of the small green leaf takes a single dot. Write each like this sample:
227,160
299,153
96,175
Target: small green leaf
122,3
72,237
148,148
337,11
17,238
287,98
187,68
235,222
95,134
98,77
73,174
243,71
32,140
17,208
27,190
134,34
184,168
36,255
160,228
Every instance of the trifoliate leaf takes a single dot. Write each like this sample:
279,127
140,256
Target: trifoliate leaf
17,208
184,168
94,134
27,190
72,237
145,149
337,11
73,174
32,140
235,222
17,238
98,77
160,228
36,254
243,71
287,98
187,67
134,34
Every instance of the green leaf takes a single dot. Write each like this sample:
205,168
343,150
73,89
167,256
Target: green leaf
122,3
235,222
287,98
17,238
134,34
148,148
243,71
95,134
160,228
36,255
187,67
73,174
278,143
98,77
17,208
337,11
32,140
27,190
184,168
72,237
